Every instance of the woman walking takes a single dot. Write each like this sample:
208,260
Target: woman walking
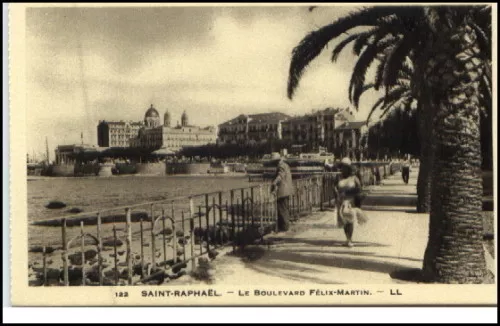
348,199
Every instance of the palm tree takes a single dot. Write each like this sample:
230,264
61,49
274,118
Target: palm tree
388,44
446,45
392,42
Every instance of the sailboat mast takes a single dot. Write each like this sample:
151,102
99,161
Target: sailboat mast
47,150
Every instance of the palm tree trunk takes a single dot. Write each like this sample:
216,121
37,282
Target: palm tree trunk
424,181
455,251
426,139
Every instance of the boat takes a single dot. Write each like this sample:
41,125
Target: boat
218,168
301,165
35,168
121,168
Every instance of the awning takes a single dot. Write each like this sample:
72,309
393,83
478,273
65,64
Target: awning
163,151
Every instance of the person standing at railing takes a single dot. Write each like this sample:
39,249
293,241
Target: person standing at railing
282,187
348,193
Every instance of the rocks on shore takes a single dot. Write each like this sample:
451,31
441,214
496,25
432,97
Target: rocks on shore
111,242
89,256
204,271
212,254
177,275
169,262
48,249
55,205
179,267
75,210
166,231
89,220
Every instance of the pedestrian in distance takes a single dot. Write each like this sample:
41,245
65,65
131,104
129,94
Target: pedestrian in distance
405,170
282,188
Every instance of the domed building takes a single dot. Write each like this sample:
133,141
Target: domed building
166,119
154,135
152,118
184,119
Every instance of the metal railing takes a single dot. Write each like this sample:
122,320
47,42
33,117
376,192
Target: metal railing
150,242
146,242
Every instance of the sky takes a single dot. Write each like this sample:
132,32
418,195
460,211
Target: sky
91,64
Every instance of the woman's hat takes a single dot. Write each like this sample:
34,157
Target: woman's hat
346,161
275,156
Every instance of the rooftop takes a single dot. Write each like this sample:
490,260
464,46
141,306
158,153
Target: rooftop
134,123
351,125
258,118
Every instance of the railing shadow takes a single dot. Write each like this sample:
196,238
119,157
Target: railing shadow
256,260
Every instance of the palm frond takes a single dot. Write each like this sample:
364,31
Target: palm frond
379,74
374,108
367,87
394,95
363,63
311,46
395,61
362,40
483,40
389,106
485,97
336,51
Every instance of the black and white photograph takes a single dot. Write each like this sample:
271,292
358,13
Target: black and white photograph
253,154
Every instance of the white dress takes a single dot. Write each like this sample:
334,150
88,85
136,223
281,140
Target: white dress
348,189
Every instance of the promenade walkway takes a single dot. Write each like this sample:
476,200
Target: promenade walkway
312,250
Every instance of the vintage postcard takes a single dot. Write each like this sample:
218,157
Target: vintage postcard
253,154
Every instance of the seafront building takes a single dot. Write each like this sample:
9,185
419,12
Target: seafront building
332,128
252,128
117,133
154,135
69,154
349,139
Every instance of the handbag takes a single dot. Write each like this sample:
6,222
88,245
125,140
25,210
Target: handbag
347,212
361,216
350,214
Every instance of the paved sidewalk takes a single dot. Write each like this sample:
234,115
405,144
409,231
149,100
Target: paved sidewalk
312,251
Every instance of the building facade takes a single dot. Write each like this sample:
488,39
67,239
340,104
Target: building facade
252,128
316,129
117,133
349,139
155,135
66,154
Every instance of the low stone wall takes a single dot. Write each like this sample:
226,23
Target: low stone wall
63,170
87,169
151,168
106,170
188,168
